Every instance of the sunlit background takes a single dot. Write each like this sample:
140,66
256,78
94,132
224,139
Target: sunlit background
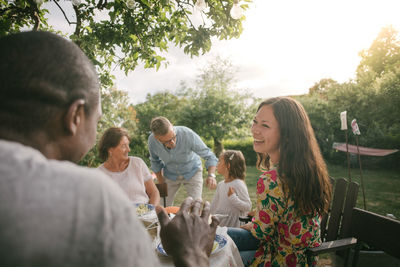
286,47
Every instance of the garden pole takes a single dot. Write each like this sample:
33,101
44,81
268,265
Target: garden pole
347,153
361,175
343,127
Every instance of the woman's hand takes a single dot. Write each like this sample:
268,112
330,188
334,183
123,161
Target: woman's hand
248,226
188,237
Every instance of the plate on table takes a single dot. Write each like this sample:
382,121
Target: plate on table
219,243
145,211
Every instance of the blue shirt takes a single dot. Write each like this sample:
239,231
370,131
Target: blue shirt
184,158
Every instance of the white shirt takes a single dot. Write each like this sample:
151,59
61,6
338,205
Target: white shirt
132,179
55,213
238,204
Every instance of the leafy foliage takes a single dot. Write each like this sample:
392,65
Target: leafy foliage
382,57
373,99
215,109
116,113
124,33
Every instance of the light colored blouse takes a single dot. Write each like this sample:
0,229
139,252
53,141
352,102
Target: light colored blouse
132,179
284,235
238,204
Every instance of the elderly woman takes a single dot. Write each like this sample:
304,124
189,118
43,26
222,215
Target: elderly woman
130,173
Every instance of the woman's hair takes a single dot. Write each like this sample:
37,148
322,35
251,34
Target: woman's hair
301,166
237,163
111,138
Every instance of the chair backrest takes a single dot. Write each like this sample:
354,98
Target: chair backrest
335,214
349,204
324,219
163,189
376,230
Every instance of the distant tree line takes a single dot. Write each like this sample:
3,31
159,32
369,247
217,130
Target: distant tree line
222,115
372,98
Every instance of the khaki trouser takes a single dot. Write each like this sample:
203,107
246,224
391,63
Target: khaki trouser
193,187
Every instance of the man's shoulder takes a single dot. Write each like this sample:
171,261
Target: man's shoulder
183,129
184,132
26,163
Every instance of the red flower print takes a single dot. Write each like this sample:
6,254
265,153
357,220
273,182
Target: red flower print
283,229
264,217
284,241
267,264
290,215
295,229
260,186
273,175
273,207
306,237
259,252
291,260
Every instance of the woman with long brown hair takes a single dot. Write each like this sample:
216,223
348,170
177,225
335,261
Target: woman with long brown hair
293,191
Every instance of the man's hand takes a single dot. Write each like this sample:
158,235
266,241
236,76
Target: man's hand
160,177
211,182
188,237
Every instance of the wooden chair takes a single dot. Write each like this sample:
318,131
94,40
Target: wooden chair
336,225
163,189
375,230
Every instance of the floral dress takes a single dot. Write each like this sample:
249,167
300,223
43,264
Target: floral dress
284,236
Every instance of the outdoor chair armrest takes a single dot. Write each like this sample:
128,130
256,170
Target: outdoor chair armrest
245,219
331,246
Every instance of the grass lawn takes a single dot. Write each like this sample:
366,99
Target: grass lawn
382,188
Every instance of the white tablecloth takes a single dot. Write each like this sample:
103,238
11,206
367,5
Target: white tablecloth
228,256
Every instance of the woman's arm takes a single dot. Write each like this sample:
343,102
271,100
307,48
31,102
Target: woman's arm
269,205
152,192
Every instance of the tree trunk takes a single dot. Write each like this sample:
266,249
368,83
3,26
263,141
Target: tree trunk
218,147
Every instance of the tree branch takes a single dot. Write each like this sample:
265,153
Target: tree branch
34,12
78,21
101,5
184,11
65,15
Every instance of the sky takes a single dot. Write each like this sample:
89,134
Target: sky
285,48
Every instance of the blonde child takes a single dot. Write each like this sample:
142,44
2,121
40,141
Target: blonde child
231,198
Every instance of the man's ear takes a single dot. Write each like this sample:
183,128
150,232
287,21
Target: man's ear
74,116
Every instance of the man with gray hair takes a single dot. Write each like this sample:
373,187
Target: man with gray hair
175,153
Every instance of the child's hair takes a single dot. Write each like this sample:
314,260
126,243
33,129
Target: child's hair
237,163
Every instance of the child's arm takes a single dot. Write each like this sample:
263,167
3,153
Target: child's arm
240,199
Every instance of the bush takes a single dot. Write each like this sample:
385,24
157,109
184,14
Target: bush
245,145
